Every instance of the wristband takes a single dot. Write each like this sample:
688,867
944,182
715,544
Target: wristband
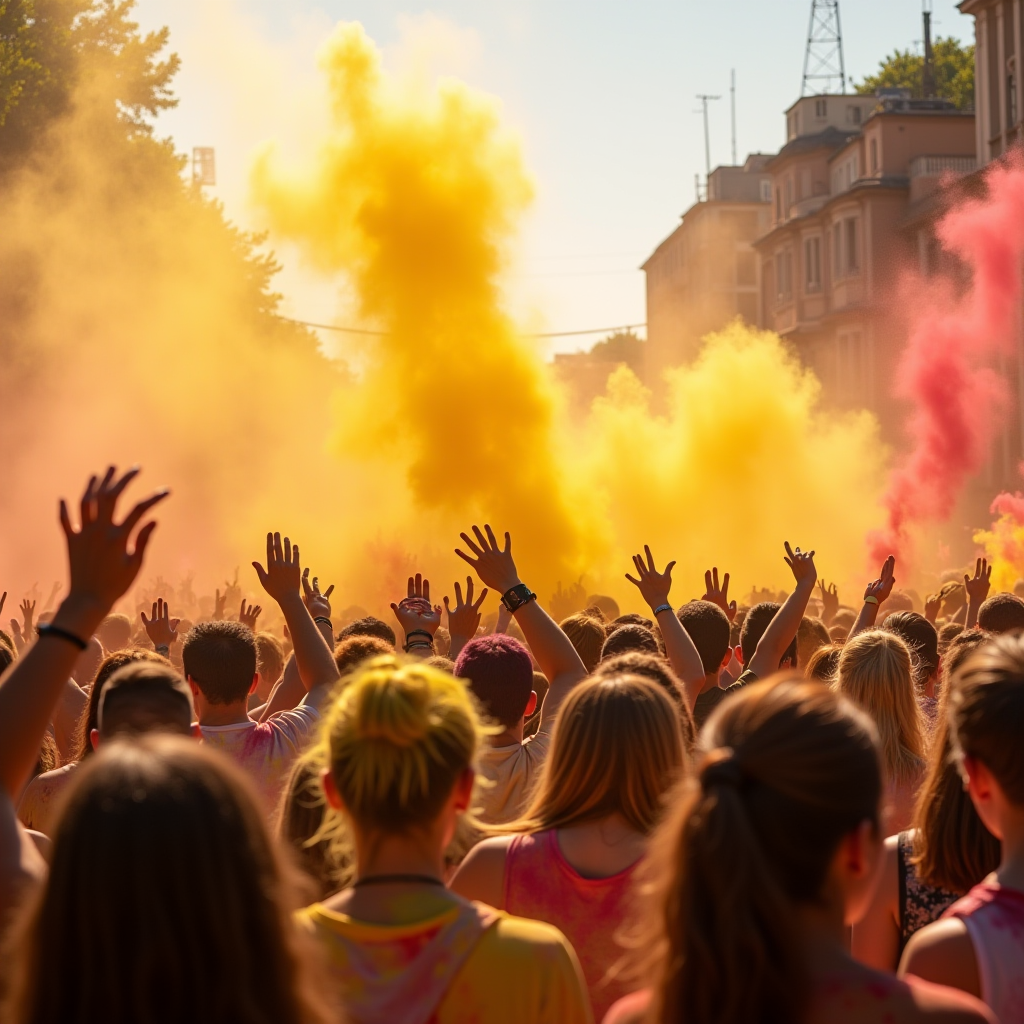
871,600
515,597
326,621
662,608
419,632
164,650
418,644
62,634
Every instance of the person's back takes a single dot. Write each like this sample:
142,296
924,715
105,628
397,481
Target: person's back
165,902
399,745
768,853
979,945
571,861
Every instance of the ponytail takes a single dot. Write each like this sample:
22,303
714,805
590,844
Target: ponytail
786,770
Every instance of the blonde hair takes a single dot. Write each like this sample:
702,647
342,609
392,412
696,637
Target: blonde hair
617,748
876,671
587,635
395,740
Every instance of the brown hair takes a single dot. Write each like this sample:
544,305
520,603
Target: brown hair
788,769
110,664
587,635
824,663
986,704
632,723
165,899
655,668
355,649
269,657
629,638
876,671
144,697
811,637
220,658
952,848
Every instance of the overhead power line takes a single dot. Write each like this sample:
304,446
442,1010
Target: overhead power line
381,334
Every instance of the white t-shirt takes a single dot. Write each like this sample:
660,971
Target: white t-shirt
266,750
511,772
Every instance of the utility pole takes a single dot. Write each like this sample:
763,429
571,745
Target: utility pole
824,63
928,72
732,98
705,99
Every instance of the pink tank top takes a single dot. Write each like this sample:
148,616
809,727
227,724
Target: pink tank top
541,884
994,919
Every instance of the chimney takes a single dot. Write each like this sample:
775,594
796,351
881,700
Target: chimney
928,72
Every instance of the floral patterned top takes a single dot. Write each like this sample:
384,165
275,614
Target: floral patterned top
920,904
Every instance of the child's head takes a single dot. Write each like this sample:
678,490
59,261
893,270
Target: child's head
616,749
165,893
986,705
782,813
708,627
499,671
399,747
220,661
587,635
876,673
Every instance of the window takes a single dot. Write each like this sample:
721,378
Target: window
821,108
766,190
746,270
837,251
852,246
784,275
778,203
874,156
853,115
789,195
812,265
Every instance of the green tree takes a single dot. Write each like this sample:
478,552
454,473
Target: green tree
622,347
954,73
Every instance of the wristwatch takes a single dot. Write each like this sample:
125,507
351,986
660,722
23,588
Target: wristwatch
519,595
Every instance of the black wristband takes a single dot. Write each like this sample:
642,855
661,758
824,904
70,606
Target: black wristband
62,634
419,632
515,597
326,621
163,649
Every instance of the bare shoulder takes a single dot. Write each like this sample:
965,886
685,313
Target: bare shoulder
481,876
939,1004
944,954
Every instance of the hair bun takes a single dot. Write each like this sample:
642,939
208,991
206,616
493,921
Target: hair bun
722,768
396,710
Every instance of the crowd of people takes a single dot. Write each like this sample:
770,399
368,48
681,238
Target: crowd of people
792,811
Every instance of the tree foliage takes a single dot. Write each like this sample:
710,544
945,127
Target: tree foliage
954,73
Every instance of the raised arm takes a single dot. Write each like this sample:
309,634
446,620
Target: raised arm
319,606
464,618
103,564
977,590
418,618
553,650
874,595
781,631
655,587
282,580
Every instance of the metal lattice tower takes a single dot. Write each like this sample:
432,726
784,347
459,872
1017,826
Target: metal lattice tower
824,66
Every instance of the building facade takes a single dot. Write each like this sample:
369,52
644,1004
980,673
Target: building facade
707,272
837,244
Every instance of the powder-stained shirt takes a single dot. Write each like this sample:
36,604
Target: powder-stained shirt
468,965
41,798
266,750
508,776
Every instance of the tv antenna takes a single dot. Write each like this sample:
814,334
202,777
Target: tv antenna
705,99
824,63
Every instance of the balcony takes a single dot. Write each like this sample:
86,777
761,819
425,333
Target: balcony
928,172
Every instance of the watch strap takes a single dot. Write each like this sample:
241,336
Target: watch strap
515,597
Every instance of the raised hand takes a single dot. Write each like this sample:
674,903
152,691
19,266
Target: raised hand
283,574
101,565
219,604
28,613
19,640
654,586
232,590
829,601
881,588
719,594
464,618
248,615
978,587
932,607
493,564
569,601
801,563
318,605
414,612
161,628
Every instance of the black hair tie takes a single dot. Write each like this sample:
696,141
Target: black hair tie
722,769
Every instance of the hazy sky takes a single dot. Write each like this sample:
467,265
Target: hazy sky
602,93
